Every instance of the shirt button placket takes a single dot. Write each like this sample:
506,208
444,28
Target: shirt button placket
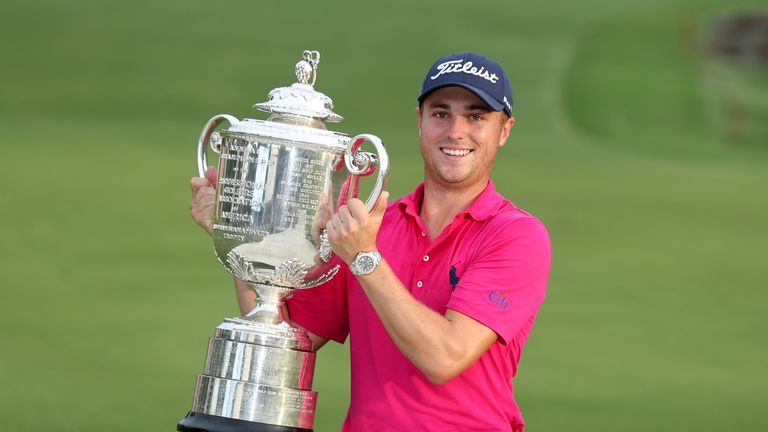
420,283
424,258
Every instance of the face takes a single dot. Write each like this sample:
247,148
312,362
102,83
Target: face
459,137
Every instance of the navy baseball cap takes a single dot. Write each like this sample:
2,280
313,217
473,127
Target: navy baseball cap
478,74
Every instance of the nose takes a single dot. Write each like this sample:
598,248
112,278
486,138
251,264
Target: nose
457,128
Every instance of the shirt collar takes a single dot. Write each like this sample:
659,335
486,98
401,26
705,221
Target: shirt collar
411,203
487,204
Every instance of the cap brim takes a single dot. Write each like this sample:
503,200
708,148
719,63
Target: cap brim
492,103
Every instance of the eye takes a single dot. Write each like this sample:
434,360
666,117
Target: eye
476,117
440,114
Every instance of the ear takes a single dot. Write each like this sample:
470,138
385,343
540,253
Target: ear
505,128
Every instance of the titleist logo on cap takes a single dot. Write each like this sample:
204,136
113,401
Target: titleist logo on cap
455,66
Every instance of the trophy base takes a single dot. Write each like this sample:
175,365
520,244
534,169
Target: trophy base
197,422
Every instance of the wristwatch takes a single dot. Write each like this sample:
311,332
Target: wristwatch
365,263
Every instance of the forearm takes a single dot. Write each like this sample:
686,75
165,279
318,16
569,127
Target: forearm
432,342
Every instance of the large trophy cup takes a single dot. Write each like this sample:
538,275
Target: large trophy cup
279,182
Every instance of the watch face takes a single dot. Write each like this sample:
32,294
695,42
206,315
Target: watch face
366,264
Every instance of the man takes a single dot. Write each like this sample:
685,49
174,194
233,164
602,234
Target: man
442,286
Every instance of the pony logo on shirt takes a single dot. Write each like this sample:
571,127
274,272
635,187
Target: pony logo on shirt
453,278
499,299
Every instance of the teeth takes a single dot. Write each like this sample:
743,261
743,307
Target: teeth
453,152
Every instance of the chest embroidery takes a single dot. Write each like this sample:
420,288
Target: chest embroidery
453,278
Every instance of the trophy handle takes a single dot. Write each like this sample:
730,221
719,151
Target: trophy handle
206,135
362,164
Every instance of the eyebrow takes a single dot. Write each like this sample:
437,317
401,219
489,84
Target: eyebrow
473,107
479,108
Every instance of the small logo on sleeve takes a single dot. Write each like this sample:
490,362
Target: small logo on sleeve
499,299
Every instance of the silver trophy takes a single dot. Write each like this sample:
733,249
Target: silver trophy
279,182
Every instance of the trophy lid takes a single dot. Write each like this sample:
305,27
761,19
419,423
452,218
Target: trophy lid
301,99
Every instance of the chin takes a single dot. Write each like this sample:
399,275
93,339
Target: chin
454,180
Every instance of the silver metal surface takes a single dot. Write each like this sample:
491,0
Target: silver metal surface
254,363
286,274
364,164
205,135
301,99
272,335
279,183
254,402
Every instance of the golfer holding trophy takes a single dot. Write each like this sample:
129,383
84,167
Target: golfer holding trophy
441,289
279,183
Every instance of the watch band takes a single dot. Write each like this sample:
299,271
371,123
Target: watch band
365,263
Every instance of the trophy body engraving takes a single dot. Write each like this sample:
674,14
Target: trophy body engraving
279,182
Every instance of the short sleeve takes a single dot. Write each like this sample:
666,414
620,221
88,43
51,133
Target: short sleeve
504,284
323,310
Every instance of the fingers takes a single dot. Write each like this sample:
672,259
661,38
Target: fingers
346,221
202,211
203,198
195,183
357,209
352,229
331,231
381,206
335,227
201,208
203,202
360,213
210,174
209,180
353,215
345,216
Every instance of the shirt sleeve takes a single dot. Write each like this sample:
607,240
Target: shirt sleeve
505,283
323,309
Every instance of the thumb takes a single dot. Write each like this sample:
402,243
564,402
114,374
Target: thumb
210,175
381,206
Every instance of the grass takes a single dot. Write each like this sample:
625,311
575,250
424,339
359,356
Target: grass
655,313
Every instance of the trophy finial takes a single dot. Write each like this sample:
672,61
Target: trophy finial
301,99
306,69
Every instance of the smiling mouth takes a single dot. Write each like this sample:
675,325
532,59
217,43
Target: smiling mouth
455,152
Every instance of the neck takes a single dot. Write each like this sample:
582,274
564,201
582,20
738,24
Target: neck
441,204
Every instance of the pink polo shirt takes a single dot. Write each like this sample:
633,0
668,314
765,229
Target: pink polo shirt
491,263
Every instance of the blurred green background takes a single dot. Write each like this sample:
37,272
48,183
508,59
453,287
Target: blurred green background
626,146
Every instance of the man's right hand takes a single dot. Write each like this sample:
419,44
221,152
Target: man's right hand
203,199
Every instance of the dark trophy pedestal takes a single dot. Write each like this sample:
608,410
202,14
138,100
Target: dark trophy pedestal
196,422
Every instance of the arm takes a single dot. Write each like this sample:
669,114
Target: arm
201,209
440,346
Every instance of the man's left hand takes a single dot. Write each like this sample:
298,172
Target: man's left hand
353,229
